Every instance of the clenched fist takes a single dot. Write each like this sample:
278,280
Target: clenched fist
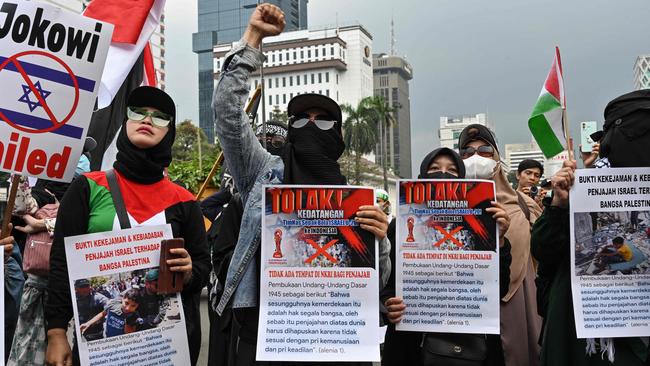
266,20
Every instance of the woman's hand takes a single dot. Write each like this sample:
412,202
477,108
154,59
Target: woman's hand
33,225
266,20
58,349
502,219
374,220
183,264
396,307
588,159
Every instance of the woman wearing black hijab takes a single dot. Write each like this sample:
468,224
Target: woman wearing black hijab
144,150
405,348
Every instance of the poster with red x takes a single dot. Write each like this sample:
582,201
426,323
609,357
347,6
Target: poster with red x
319,276
447,258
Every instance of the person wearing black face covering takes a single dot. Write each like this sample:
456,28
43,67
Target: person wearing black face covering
144,145
410,348
314,144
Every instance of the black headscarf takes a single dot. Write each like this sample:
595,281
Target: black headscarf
144,165
426,162
311,156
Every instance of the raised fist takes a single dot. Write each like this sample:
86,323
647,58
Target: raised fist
266,20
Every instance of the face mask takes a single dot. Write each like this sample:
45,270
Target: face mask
478,167
439,175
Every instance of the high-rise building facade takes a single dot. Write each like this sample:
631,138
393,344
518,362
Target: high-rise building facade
157,40
516,153
642,72
391,81
222,22
451,127
335,62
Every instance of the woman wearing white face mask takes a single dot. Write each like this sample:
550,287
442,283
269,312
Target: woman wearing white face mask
520,323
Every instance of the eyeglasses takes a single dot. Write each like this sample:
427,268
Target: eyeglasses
322,121
276,141
485,151
159,119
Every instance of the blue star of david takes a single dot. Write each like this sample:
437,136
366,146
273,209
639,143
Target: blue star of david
25,98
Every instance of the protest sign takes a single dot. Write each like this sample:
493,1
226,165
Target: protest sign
51,62
610,266
119,319
447,258
2,318
319,290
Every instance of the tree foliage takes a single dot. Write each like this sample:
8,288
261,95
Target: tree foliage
186,167
360,134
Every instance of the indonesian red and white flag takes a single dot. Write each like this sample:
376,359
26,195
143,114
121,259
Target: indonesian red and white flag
135,21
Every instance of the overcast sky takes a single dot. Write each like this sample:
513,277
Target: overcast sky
471,56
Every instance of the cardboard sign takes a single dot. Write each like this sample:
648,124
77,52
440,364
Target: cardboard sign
51,62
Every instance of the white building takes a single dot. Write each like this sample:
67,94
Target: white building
336,62
157,38
451,127
642,72
516,153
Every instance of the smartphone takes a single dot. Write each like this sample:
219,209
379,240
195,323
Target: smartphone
586,129
169,282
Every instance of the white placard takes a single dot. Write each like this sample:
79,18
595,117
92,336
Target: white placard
610,251
51,62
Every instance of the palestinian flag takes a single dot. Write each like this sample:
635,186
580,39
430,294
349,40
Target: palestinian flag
546,122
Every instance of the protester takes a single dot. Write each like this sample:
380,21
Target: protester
550,243
13,287
404,348
314,144
529,173
144,151
520,323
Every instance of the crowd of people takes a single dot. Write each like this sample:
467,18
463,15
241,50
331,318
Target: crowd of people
536,311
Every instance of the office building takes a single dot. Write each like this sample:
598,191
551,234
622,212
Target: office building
391,81
451,127
642,72
223,22
516,153
335,62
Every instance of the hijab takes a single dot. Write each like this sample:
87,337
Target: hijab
426,163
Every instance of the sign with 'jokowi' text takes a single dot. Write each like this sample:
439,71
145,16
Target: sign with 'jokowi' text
51,61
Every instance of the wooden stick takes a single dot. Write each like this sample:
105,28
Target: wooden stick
10,206
567,136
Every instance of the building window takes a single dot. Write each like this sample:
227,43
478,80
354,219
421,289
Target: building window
277,82
305,79
294,55
320,77
320,92
273,57
327,92
277,99
280,57
312,79
456,134
284,99
290,96
456,146
337,95
327,77
270,83
331,50
316,52
287,56
297,79
290,80
302,54
270,100
337,79
308,53
284,82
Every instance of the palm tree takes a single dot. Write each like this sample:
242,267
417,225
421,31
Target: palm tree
381,114
360,134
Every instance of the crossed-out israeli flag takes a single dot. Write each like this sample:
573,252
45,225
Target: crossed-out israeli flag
22,107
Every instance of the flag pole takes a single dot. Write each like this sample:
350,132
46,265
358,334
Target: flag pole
567,136
219,161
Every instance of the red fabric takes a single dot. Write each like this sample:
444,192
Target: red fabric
128,17
144,201
552,80
149,69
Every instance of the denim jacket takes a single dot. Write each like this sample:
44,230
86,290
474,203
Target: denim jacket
251,167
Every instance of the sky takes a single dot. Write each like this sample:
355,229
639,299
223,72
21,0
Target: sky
470,56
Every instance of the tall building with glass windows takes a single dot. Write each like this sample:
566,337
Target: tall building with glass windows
222,22
642,72
451,127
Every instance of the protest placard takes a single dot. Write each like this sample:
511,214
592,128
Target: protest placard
319,282
610,256
447,258
133,325
51,62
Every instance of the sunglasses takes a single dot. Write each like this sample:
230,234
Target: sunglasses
322,121
485,151
276,141
159,119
